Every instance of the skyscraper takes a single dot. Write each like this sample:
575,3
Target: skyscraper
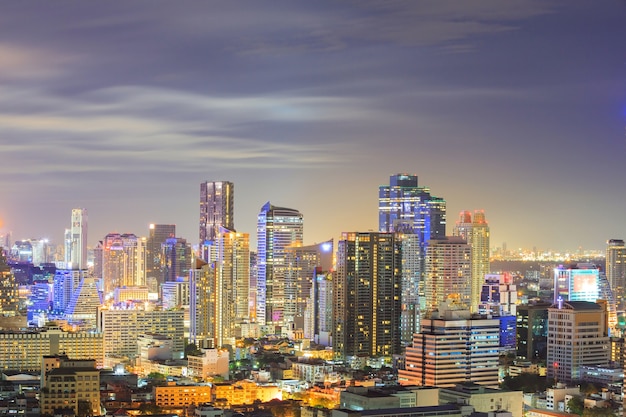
202,304
367,294
79,238
475,231
277,229
175,258
406,208
8,288
232,269
217,199
616,269
447,272
302,262
119,261
158,234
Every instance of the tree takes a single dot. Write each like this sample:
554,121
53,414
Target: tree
576,405
598,412
526,382
149,408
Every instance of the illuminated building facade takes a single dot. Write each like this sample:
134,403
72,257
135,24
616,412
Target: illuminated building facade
440,356
577,283
577,336
232,268
176,258
202,305
475,231
447,272
367,294
498,295
277,229
120,266
217,202
70,384
9,301
302,262
319,313
532,331
616,269
157,235
121,327
409,209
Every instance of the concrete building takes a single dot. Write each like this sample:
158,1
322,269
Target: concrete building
445,410
212,362
439,355
23,350
577,336
120,328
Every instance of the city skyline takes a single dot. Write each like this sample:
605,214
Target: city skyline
124,109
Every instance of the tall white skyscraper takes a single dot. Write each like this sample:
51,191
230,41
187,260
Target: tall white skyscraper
78,239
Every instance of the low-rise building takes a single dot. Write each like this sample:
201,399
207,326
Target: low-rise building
483,399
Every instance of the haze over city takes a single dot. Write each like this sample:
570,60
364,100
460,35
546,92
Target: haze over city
125,108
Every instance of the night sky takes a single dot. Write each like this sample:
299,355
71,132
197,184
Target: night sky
517,108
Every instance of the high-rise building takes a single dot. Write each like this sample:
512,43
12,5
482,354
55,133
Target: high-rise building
616,269
580,282
475,231
407,208
453,347
217,201
119,262
498,295
447,272
158,234
78,239
202,299
176,258
9,301
577,337
532,331
319,313
232,269
302,262
367,294
277,229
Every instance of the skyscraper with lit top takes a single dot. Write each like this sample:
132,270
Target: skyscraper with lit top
616,269
78,242
475,230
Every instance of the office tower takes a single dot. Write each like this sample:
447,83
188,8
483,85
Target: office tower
532,331
475,231
65,282
119,261
616,269
120,328
447,272
277,229
23,350
302,262
498,295
367,294
98,253
202,299
232,267
319,314
577,336
78,239
217,201
440,355
580,282
405,207
176,258
9,301
253,289
158,234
